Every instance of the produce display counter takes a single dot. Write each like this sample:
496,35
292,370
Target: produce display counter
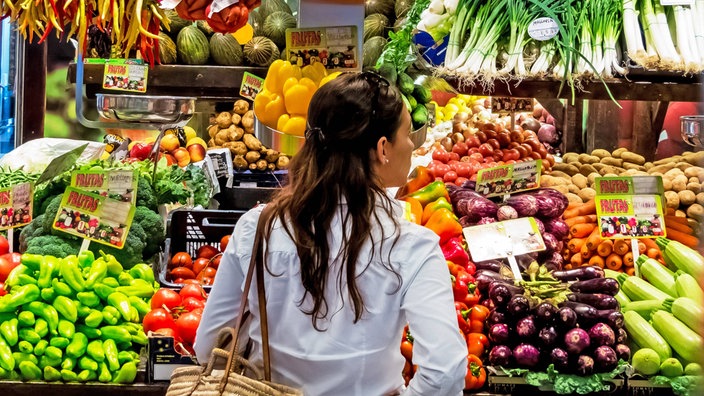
48,388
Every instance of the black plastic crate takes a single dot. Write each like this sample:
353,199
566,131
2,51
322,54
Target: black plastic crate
188,230
250,189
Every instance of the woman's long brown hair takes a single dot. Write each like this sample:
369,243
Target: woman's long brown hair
347,117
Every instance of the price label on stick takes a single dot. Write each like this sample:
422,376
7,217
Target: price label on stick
119,184
508,179
125,75
16,206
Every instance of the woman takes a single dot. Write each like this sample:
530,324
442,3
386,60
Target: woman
346,271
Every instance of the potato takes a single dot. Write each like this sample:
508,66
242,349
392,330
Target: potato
252,156
680,213
570,157
556,173
252,166
692,180
224,120
586,169
252,142
270,155
672,200
672,159
271,166
213,130
262,164
566,168
611,161
674,172
573,198
588,159
282,162
611,175
679,183
573,189
687,197
631,165
599,166
239,162
580,181
700,198
667,183
661,168
221,137
601,153
617,153
695,211
634,158
211,143
694,171
248,120
648,165
236,119
586,194
241,107
237,148
591,178
607,169
694,158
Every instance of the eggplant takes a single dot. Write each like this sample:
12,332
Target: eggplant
585,365
495,317
623,352
518,306
552,244
596,300
621,336
470,184
548,336
602,334
526,205
526,355
491,265
474,206
541,227
545,312
560,358
500,293
566,318
583,311
554,261
576,340
484,278
597,285
525,327
605,358
613,318
500,355
581,273
499,333
557,227
551,203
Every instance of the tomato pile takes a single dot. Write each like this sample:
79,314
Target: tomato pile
458,157
183,268
8,261
176,314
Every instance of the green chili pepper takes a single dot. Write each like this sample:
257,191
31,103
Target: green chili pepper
20,295
51,374
8,329
72,274
40,347
125,279
32,261
48,294
89,332
45,311
95,351
41,327
54,353
117,333
110,282
59,342
25,318
68,363
140,305
78,345
97,272
89,299
86,258
68,376
104,373
25,347
87,375
110,349
86,363
140,338
127,373
94,318
103,290
24,279
114,266
83,311
144,272
13,277
24,357
6,360
30,371
47,271
133,328
122,303
124,357
111,315
61,288
66,308
139,290
29,335
45,361
66,329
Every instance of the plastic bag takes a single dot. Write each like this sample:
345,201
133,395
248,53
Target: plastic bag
34,155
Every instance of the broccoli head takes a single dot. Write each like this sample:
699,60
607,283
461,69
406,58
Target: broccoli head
52,245
50,213
131,252
153,226
145,194
34,229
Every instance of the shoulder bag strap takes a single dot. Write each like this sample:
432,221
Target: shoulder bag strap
256,262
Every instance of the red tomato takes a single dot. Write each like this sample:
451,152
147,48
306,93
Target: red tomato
4,245
190,282
193,290
167,332
181,259
2,289
186,326
407,350
5,267
476,157
158,319
494,143
14,257
440,155
464,169
461,180
460,148
192,303
450,177
504,138
215,261
166,298
441,169
472,141
453,156
207,251
224,241
486,150
206,280
199,264
182,272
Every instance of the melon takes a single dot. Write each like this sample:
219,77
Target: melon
385,7
375,25
192,46
225,50
205,28
269,7
402,7
275,27
371,50
167,49
261,51
176,23
257,22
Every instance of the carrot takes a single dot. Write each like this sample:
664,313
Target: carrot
566,254
582,230
605,248
613,262
573,205
631,271
672,225
621,246
676,219
575,244
580,219
585,252
683,238
654,253
649,243
597,260
594,239
628,259
668,212
641,247
576,260
586,208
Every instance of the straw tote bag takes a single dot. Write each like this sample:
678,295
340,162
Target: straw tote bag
204,381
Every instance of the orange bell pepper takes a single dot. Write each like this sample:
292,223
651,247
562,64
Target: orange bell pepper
414,210
430,208
419,178
430,193
444,223
476,373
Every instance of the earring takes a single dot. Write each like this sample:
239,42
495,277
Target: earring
386,160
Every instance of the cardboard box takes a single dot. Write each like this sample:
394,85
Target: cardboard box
163,358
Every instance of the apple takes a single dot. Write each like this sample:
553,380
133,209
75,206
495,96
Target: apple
169,143
182,157
196,151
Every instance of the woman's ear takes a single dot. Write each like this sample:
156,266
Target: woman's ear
381,149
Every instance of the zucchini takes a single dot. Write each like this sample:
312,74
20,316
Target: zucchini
637,289
687,286
688,311
683,340
611,273
657,274
640,331
683,258
622,298
644,308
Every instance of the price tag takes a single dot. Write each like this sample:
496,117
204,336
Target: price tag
500,104
630,207
336,48
222,162
95,217
116,184
125,75
508,179
543,29
16,206
251,86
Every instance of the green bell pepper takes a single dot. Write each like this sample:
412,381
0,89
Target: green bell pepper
104,373
89,299
51,374
30,371
18,296
140,339
66,329
110,349
144,272
26,319
94,318
24,357
32,261
41,327
111,315
69,376
54,353
29,335
122,303
46,312
114,266
90,332
103,290
40,347
48,269
125,279
124,357
82,310
117,333
68,363
6,360
127,374
25,279
72,274
13,278
95,351
45,361
48,294
8,329
25,347
86,363
66,308
59,342
86,259
61,288
98,271
110,282
87,375
140,305
78,346
139,288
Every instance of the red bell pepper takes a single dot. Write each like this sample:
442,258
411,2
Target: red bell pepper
453,250
461,311
476,373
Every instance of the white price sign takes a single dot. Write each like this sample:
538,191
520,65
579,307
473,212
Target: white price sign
543,29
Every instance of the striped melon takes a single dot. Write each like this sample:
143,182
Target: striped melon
402,7
275,27
167,49
385,7
225,50
192,45
375,25
176,23
269,7
257,22
371,50
205,28
261,51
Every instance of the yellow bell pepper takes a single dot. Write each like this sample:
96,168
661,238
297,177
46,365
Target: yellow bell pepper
312,86
268,107
329,78
297,98
278,73
290,82
315,71
293,125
